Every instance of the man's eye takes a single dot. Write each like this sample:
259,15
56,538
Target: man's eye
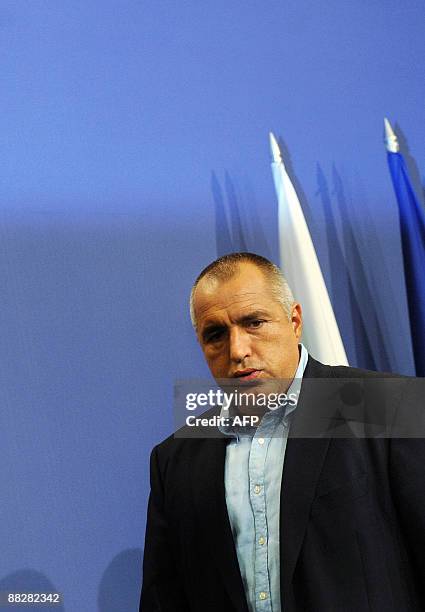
215,336
256,323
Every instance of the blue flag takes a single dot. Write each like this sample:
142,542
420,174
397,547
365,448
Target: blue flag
412,226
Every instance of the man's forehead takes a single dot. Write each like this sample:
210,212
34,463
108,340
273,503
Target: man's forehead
245,275
247,289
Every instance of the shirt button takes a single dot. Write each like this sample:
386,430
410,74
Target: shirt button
261,441
261,540
257,489
263,595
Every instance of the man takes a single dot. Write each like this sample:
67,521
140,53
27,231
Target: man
316,521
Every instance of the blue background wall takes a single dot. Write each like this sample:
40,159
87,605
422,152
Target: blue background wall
114,117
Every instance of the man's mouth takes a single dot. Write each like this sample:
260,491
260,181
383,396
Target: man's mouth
247,374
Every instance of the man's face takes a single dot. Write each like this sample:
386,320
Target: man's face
243,330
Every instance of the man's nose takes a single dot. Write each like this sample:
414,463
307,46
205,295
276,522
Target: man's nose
239,344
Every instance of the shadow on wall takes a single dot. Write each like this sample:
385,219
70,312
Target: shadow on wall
223,239
379,335
119,588
350,284
237,224
235,216
340,289
29,581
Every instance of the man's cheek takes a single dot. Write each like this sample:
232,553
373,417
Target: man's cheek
215,365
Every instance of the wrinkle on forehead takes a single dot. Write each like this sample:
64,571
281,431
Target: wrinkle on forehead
248,296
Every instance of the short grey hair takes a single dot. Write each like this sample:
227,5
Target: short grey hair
224,268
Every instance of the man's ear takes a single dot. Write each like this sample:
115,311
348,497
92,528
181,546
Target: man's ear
297,319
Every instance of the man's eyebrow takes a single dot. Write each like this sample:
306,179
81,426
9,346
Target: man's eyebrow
255,314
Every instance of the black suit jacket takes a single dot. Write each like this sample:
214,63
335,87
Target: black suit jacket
352,519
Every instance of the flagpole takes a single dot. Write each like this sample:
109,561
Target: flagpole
412,229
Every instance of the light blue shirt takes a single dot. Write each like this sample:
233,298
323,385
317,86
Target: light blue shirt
253,474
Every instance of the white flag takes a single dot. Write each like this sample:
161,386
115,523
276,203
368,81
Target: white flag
301,269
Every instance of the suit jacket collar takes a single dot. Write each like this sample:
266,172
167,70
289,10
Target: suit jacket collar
315,369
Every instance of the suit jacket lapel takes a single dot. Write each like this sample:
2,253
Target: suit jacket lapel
303,463
210,501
